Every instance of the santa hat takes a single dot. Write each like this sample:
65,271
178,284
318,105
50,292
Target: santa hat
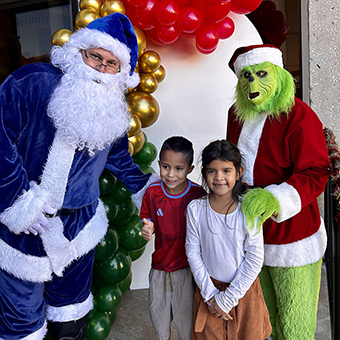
253,55
113,33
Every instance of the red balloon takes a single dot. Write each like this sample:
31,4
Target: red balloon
207,39
143,17
225,28
190,19
244,6
212,11
167,12
136,3
168,34
181,2
152,35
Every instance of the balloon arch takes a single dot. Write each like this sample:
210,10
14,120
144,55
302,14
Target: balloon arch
162,21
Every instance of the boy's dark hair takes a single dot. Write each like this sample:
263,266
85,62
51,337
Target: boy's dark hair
179,144
224,151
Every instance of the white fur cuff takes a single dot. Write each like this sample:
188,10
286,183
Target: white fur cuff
26,209
137,198
289,200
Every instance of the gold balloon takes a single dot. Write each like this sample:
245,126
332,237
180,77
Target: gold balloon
60,37
149,62
84,17
112,6
160,74
91,4
135,126
137,142
144,106
141,39
130,148
148,83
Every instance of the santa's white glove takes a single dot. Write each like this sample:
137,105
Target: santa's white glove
42,224
28,210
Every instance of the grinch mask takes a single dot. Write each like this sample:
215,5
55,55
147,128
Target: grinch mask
257,82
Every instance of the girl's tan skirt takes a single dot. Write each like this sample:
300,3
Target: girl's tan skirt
250,317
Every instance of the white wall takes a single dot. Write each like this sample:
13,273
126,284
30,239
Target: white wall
194,99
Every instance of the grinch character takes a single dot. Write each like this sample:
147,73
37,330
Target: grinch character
286,169
61,125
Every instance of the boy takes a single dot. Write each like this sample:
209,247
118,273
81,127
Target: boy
172,289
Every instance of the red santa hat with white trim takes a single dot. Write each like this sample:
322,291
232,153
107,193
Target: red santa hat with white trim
254,55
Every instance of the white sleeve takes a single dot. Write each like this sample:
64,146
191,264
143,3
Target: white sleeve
245,274
193,251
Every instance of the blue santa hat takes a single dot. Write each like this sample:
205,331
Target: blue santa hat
113,33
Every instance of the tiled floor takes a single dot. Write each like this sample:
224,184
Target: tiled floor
133,322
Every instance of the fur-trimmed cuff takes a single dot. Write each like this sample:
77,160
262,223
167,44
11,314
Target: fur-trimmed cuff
137,198
289,200
69,312
37,335
26,209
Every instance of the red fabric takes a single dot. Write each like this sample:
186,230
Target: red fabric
293,150
167,212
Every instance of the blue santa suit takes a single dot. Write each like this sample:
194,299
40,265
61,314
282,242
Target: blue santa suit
51,271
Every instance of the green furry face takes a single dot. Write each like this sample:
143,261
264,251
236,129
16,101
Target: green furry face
257,82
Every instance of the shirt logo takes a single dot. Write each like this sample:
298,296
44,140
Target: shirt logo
160,212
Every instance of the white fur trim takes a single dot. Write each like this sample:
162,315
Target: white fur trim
25,267
56,170
248,144
137,198
257,56
296,254
133,80
69,312
91,38
25,210
61,252
37,335
289,200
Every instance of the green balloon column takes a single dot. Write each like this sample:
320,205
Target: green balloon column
122,244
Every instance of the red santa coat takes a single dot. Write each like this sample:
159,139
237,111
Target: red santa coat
288,157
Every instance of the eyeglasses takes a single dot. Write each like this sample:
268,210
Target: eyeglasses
98,63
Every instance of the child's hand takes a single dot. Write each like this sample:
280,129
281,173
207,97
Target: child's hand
148,229
217,311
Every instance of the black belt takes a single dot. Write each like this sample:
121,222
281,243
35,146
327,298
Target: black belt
61,213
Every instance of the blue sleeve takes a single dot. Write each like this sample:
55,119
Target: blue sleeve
122,166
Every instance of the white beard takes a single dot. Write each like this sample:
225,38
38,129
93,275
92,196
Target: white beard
89,107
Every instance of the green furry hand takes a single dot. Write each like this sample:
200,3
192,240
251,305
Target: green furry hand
259,203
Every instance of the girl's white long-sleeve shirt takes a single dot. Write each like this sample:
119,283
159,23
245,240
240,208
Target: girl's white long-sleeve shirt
220,246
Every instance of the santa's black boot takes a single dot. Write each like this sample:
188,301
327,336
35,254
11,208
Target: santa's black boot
72,330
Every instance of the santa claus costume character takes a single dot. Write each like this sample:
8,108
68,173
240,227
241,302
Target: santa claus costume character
284,148
61,125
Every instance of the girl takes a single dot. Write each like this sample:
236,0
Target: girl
225,258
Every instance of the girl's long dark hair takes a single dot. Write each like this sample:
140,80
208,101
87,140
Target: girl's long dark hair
224,151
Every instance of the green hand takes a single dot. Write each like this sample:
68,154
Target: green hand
259,203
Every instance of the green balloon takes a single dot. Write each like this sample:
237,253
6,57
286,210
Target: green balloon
125,284
136,254
121,193
99,326
148,170
130,234
107,246
107,182
93,310
112,316
108,298
125,212
146,155
116,268
111,207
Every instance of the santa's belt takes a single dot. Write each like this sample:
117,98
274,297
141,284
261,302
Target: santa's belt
61,213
